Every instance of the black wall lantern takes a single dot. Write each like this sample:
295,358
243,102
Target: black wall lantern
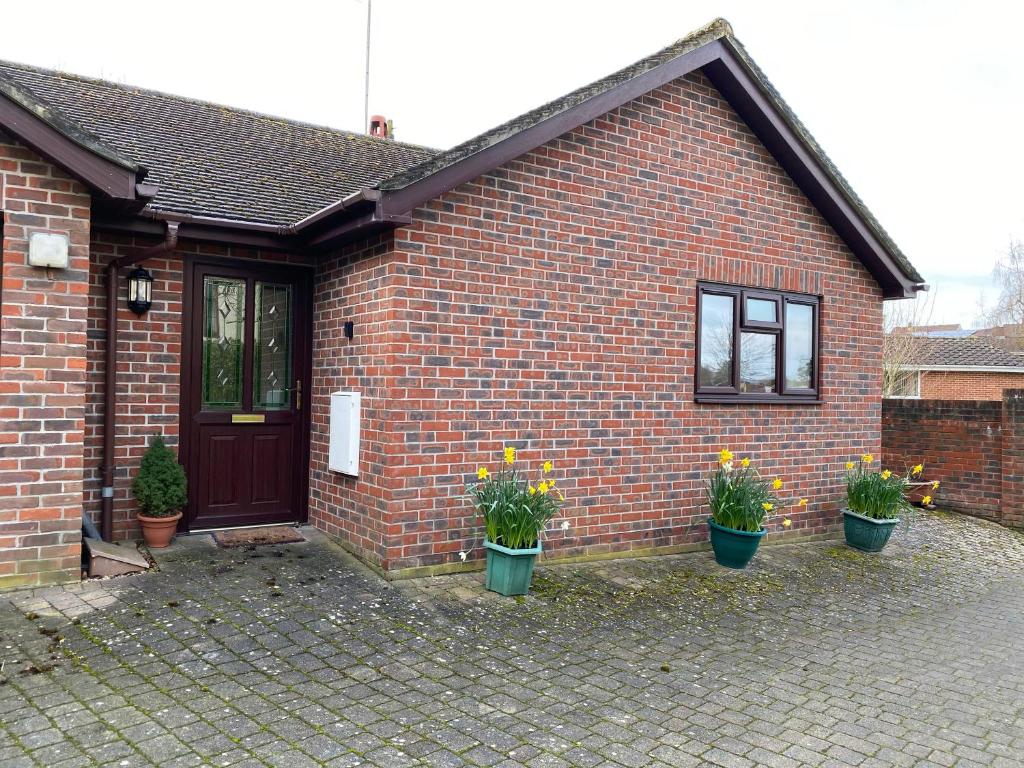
140,291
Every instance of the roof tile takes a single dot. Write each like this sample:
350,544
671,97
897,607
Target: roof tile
213,160
963,351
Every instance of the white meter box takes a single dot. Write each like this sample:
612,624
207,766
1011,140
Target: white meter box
343,452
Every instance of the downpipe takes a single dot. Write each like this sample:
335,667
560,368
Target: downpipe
110,383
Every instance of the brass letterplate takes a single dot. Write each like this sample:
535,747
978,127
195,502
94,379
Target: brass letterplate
248,418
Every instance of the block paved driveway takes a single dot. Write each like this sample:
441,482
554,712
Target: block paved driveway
296,656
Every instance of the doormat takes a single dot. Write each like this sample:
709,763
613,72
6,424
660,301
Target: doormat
251,537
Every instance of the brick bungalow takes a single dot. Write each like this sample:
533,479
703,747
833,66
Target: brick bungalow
956,367
623,280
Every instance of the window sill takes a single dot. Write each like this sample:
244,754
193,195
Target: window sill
756,400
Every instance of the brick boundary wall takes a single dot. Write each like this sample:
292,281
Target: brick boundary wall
958,441
1013,459
974,448
42,373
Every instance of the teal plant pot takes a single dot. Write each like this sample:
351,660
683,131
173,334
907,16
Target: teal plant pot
509,571
733,549
865,533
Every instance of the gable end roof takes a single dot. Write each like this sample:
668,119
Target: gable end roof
714,50
234,175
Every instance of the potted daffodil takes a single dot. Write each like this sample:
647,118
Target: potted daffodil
516,511
741,503
874,501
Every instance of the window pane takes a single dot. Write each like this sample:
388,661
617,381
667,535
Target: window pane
272,346
223,338
757,362
716,315
761,311
799,346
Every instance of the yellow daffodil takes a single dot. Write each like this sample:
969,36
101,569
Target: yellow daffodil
531,490
803,503
849,465
482,473
745,462
768,507
542,487
786,523
867,458
725,456
918,469
776,483
926,500
886,474
935,485
510,455
548,466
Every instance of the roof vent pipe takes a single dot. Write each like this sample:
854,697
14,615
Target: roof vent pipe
380,127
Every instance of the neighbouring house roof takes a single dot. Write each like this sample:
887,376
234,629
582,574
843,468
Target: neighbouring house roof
968,352
1009,331
924,330
324,184
212,160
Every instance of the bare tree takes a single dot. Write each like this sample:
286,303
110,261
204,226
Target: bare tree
901,348
1007,315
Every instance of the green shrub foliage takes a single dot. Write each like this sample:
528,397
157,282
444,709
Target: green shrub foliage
160,486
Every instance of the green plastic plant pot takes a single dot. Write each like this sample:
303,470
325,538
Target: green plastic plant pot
865,533
509,571
733,549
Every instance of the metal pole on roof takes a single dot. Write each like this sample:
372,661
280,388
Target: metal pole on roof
366,86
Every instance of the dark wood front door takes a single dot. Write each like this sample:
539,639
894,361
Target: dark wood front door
247,352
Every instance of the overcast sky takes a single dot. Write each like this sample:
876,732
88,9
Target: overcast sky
918,103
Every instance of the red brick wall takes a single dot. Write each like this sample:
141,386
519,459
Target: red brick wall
149,370
42,373
356,285
965,385
550,305
960,442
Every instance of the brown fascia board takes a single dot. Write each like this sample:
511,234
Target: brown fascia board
785,137
66,145
200,228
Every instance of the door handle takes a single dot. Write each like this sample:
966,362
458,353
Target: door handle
298,394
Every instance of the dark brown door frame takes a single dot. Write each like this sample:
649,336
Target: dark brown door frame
304,365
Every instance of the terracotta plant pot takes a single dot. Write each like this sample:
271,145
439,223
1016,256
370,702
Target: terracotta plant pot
158,531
